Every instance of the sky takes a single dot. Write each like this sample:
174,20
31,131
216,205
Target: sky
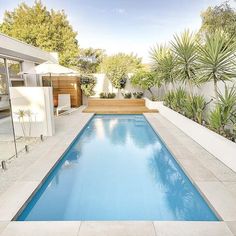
126,25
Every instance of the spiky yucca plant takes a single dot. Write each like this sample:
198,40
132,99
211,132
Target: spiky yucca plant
164,64
225,111
179,100
194,107
217,59
184,48
169,99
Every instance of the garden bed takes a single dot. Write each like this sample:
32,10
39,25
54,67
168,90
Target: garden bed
217,145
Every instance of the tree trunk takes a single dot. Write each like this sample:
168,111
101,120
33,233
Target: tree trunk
216,90
149,89
165,89
173,86
190,89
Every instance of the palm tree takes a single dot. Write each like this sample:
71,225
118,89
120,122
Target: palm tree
217,59
184,48
163,63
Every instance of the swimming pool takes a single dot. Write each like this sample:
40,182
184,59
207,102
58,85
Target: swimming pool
117,169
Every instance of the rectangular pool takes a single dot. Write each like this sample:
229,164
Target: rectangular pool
117,169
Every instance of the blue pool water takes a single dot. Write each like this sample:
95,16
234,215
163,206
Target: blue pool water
117,169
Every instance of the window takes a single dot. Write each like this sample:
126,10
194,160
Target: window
14,68
3,77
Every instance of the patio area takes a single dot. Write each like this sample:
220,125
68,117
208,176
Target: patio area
215,181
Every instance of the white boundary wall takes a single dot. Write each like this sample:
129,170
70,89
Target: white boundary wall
206,90
222,148
37,100
104,85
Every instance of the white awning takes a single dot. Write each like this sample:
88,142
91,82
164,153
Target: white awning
49,68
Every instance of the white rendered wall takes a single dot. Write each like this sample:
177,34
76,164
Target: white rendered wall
37,100
104,85
30,80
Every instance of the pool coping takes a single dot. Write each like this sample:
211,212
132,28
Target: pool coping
18,195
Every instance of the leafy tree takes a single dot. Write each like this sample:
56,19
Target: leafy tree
117,68
48,30
90,60
146,80
217,59
184,48
88,84
221,17
163,63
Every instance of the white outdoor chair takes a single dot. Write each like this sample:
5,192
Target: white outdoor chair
64,103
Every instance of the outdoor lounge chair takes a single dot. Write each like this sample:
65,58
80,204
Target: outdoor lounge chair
64,103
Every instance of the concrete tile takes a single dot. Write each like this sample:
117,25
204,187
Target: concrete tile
3,225
220,198
40,228
180,152
13,199
122,228
231,186
196,171
232,226
41,168
222,172
178,228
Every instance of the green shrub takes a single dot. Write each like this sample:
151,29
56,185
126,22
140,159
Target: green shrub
138,95
127,95
111,95
194,107
169,99
216,120
87,85
103,95
180,97
222,118
107,95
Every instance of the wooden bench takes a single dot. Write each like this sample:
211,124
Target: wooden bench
117,106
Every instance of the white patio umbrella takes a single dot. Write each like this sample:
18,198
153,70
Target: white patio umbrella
49,68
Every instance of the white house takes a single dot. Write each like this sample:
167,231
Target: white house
16,56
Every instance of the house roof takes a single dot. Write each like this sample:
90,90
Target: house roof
11,47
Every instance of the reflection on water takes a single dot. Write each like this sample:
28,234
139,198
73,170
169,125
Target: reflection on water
117,169
176,186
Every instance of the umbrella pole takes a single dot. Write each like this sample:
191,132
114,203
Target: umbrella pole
51,79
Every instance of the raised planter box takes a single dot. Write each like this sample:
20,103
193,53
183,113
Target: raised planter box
217,145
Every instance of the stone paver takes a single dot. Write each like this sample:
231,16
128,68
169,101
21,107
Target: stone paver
192,229
231,186
196,170
232,226
122,228
3,225
40,228
220,198
13,199
222,172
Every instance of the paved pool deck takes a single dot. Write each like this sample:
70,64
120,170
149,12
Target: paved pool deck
215,181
